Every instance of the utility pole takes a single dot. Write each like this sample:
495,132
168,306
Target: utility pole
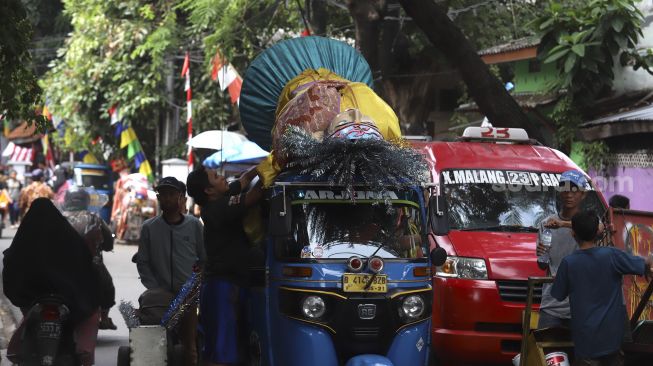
169,134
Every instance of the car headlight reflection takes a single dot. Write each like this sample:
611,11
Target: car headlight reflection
462,267
313,307
412,307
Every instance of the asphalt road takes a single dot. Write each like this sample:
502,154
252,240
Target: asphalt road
128,288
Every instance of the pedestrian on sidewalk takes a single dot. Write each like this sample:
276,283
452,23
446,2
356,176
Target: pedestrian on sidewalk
171,244
592,279
13,187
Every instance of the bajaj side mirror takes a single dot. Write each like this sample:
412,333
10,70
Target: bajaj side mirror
438,256
438,215
280,215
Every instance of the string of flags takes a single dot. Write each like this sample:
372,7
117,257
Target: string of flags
18,153
129,140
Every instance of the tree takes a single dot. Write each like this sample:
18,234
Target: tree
583,39
19,91
490,95
124,53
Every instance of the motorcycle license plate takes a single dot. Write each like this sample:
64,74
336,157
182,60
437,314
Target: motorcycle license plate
356,282
49,330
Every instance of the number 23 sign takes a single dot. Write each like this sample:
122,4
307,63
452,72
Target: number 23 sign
495,133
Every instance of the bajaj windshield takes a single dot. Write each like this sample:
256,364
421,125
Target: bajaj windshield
339,228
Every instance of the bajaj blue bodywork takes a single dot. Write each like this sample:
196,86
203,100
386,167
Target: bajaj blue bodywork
347,280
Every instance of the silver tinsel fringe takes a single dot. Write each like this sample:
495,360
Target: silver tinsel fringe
187,299
379,164
129,314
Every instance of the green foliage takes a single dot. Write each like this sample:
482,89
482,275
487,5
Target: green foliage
19,91
239,29
583,38
491,23
567,119
113,56
594,154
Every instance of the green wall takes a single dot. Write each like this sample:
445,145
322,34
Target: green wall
526,81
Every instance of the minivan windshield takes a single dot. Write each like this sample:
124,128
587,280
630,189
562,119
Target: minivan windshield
498,200
326,225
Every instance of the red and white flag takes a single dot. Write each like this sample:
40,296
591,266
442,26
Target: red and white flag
17,153
114,113
185,72
227,77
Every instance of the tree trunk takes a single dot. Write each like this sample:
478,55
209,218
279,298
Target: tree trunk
488,92
317,16
368,17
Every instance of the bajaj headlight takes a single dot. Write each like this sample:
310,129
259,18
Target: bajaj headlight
313,307
412,307
462,267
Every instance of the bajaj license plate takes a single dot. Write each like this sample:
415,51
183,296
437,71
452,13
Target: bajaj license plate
356,282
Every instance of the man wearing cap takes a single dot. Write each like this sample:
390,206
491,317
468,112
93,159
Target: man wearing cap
170,245
573,189
36,189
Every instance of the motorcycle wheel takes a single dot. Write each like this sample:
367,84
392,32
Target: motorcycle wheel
124,356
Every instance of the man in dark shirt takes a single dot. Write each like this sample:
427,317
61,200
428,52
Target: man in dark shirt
223,208
592,278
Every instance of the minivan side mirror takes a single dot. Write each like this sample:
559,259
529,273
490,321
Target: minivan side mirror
438,256
280,215
438,215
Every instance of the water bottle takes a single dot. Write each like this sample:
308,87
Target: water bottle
546,236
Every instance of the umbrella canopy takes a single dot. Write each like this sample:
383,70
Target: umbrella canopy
217,140
247,152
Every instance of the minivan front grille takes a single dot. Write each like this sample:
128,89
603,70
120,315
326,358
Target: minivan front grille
516,291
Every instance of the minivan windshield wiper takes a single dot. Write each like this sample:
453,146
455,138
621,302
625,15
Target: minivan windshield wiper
503,228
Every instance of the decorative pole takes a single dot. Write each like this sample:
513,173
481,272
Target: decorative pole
185,72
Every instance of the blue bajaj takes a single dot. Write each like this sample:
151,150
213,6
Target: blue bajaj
347,279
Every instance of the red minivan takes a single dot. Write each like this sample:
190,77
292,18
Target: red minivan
494,187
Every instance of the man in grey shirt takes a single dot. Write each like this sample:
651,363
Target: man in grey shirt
171,245
573,189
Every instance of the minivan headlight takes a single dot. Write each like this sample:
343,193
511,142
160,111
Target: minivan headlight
463,267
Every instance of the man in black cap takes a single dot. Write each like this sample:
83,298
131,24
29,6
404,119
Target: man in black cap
170,245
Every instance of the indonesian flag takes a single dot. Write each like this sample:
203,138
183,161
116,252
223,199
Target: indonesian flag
227,77
114,113
17,153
